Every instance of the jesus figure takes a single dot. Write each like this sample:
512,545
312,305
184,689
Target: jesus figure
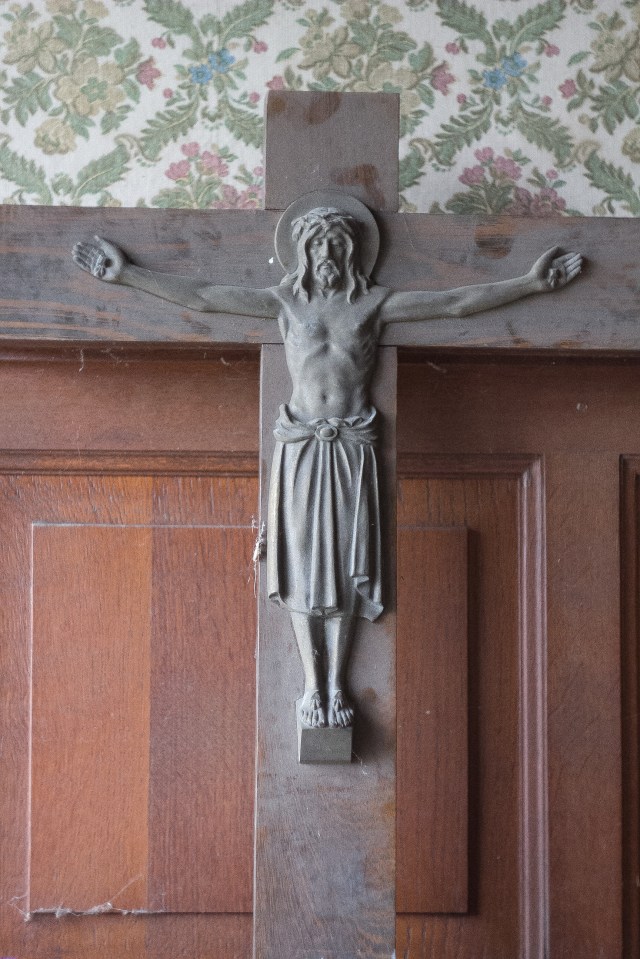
323,532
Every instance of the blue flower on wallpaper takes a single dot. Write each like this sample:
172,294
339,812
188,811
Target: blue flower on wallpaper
200,74
495,79
221,61
514,66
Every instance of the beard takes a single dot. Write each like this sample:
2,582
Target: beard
326,274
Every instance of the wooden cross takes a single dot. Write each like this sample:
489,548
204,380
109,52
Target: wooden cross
325,836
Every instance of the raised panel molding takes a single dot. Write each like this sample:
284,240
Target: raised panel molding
630,674
499,501
433,746
133,726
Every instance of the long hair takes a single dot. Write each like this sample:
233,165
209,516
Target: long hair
303,231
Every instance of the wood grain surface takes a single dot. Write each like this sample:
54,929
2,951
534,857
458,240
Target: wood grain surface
459,418
583,696
630,676
89,829
580,768
46,298
433,745
329,141
96,513
484,497
325,835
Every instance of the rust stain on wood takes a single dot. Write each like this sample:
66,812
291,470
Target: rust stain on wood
276,104
322,108
365,175
493,242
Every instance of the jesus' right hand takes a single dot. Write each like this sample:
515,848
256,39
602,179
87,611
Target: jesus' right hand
100,258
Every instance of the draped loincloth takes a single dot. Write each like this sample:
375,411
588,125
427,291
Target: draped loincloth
323,535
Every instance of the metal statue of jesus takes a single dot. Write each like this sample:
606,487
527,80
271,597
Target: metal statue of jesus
323,534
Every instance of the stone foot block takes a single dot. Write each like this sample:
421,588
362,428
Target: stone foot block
328,745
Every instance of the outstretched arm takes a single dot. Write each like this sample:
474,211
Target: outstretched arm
549,272
107,262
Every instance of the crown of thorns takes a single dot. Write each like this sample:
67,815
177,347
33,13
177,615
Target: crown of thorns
322,216
322,208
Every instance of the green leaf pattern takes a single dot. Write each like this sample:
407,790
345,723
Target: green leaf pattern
522,107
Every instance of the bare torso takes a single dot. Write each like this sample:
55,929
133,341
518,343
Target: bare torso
330,346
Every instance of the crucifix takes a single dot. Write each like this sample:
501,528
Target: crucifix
325,827
324,553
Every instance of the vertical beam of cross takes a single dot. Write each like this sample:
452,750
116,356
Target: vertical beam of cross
325,834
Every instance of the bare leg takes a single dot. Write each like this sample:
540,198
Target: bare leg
339,631
308,631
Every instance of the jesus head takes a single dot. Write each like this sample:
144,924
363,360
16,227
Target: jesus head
327,254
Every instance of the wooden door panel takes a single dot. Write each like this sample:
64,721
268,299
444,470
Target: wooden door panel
520,458
630,568
496,502
141,475
89,764
202,721
152,673
578,420
433,737
583,704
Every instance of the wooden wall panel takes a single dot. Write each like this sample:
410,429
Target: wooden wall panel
498,501
433,746
83,400
91,588
584,720
202,728
56,406
94,744
630,675
118,535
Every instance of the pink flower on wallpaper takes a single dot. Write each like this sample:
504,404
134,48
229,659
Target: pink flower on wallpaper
551,174
258,171
167,93
178,171
546,101
551,50
461,98
148,73
249,199
212,163
545,203
277,83
508,168
190,149
470,176
441,78
159,42
452,48
568,88
254,97
259,46
485,155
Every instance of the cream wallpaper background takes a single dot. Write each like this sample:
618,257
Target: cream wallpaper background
508,106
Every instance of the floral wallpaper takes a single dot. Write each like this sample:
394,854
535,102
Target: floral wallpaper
509,106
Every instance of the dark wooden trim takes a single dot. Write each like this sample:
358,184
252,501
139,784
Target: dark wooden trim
125,463
630,679
534,855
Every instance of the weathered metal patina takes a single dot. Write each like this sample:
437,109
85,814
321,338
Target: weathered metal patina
323,542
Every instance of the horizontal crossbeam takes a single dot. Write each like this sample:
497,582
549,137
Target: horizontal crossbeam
46,299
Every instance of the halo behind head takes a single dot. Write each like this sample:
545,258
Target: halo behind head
369,237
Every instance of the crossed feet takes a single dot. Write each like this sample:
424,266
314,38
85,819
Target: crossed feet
314,713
